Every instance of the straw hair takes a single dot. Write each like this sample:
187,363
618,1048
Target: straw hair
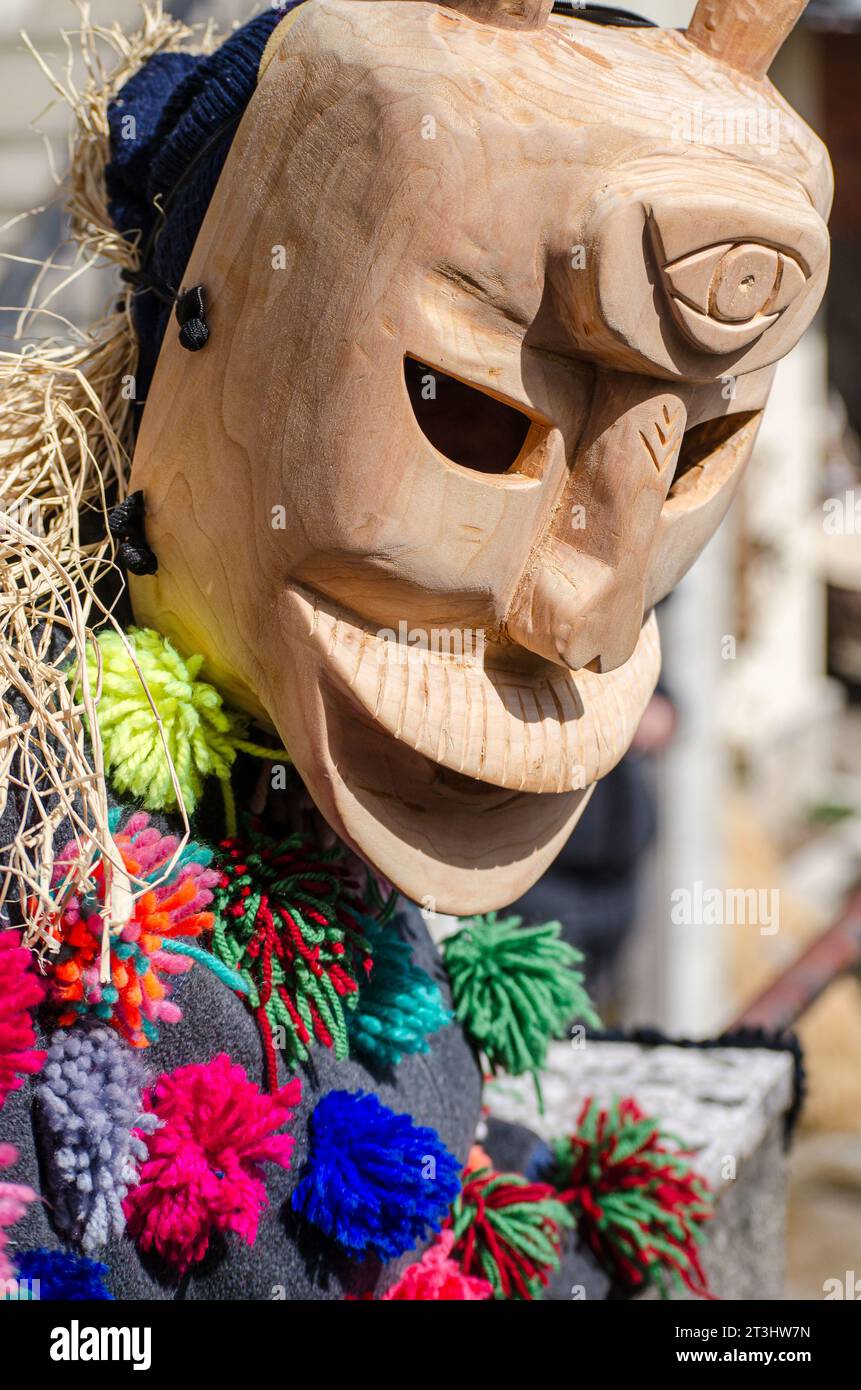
65,442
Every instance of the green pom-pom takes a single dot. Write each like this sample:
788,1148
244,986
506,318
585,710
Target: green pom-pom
398,1006
202,736
515,988
639,1204
291,923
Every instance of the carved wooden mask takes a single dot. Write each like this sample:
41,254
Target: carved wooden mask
495,302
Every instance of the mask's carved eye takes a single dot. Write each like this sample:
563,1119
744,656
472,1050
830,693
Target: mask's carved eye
725,296
468,426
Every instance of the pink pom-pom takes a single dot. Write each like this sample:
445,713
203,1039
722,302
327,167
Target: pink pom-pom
203,1169
437,1276
14,1201
20,991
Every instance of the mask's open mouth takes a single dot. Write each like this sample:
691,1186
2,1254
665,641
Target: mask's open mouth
548,730
430,764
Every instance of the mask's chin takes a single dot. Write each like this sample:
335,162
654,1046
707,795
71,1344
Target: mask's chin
458,781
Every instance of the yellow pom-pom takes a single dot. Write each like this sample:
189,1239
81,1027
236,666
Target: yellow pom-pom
201,734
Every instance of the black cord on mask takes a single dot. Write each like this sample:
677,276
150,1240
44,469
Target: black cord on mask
602,14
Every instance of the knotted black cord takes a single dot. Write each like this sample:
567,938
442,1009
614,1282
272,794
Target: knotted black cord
603,14
126,525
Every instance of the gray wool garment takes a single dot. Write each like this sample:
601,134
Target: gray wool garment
290,1259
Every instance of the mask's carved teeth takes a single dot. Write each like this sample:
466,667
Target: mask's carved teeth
550,731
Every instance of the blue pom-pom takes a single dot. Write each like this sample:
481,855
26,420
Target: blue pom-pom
374,1181
62,1277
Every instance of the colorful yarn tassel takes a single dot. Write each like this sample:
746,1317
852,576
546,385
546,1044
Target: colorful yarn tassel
15,1198
56,1276
514,989
638,1204
202,735
436,1276
203,1168
399,1006
508,1231
89,1108
296,933
20,991
143,955
374,1181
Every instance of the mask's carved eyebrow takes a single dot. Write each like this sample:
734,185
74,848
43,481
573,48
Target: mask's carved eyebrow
495,294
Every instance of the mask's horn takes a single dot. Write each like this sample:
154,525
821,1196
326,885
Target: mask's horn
744,33
505,14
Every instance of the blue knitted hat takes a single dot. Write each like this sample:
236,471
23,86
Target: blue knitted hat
186,109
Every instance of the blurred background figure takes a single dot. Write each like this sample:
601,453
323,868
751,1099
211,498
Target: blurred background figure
594,887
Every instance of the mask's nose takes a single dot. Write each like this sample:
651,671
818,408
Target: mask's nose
581,600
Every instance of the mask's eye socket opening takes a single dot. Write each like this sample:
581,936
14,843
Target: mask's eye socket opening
468,426
710,453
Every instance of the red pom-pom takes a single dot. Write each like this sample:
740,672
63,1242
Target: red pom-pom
293,925
508,1229
638,1204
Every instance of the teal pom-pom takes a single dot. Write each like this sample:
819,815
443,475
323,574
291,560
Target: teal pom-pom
399,1006
515,988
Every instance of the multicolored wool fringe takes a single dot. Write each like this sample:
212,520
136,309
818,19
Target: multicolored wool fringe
399,1006
89,1105
145,951
515,988
374,1181
638,1204
20,991
508,1231
203,1168
296,933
